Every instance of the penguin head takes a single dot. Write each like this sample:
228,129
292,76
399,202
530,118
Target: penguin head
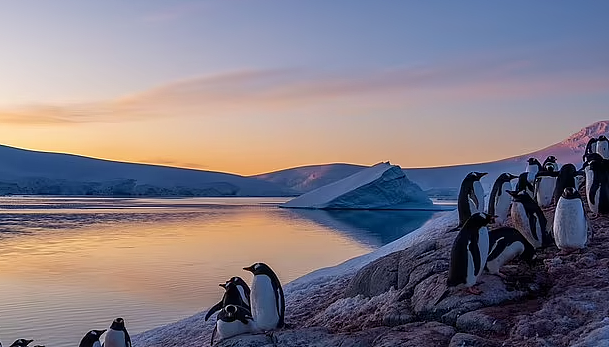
519,195
21,343
506,177
570,193
549,167
91,337
118,324
237,280
475,176
602,138
551,159
259,269
231,311
533,161
478,220
228,286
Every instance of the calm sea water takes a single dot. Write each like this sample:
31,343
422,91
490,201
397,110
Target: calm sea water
68,265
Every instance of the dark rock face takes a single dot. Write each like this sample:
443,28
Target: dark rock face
416,334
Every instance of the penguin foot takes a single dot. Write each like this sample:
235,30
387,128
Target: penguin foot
474,290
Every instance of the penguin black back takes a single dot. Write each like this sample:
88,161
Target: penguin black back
589,149
231,296
534,213
466,192
566,178
502,237
523,183
239,282
600,183
91,338
496,190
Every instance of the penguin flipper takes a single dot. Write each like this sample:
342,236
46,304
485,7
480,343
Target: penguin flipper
475,251
216,307
213,334
127,338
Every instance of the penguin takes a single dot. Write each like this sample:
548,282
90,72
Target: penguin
550,164
570,224
590,148
523,184
471,196
21,343
529,219
602,146
232,296
243,288
499,202
469,252
117,335
91,339
597,183
545,182
566,178
506,244
533,167
233,320
268,302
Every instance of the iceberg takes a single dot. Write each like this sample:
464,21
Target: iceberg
382,186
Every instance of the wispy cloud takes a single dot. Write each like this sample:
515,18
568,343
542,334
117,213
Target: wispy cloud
247,92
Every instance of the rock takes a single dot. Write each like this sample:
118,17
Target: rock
477,322
467,340
246,340
416,335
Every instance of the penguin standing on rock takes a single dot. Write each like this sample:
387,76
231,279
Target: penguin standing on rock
91,339
469,253
533,167
471,196
117,335
232,296
602,146
499,202
506,244
570,224
268,302
233,320
529,219
566,178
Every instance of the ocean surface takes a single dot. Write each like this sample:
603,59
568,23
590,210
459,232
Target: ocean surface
68,265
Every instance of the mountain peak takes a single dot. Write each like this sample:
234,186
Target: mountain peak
579,140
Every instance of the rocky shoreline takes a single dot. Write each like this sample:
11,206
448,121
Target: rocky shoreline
401,299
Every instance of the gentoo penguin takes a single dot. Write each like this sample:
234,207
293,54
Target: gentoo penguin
117,335
545,182
566,178
21,343
602,146
268,302
469,252
232,296
533,167
597,183
550,164
233,320
499,202
471,196
529,219
243,288
570,224
506,244
590,147
91,339
523,184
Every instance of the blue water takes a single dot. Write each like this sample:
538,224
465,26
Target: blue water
68,265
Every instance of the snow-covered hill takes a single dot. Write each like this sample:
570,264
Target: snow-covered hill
438,180
32,172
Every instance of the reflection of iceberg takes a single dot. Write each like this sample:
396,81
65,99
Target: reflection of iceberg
370,227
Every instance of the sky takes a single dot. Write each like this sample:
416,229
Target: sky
249,87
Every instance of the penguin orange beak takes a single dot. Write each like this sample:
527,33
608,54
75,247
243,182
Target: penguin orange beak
249,268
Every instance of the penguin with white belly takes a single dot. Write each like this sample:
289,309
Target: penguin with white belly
499,201
529,219
232,296
545,182
590,148
602,146
117,335
566,178
233,320
533,167
268,302
523,184
471,196
506,244
570,224
597,183
469,253
91,339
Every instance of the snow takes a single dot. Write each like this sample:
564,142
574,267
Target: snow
380,186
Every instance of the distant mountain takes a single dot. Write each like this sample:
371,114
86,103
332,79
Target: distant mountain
33,172
306,178
443,180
